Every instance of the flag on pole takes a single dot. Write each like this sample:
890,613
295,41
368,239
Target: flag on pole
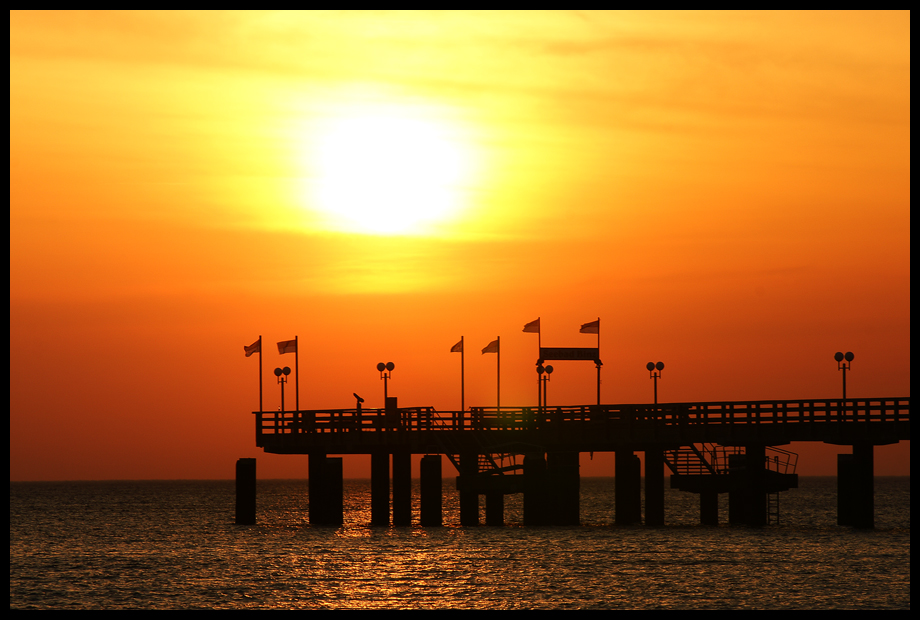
492,347
533,327
255,347
594,327
458,348
287,346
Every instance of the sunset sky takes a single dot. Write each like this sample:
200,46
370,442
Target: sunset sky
728,192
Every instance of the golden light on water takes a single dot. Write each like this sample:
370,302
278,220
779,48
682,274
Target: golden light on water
387,169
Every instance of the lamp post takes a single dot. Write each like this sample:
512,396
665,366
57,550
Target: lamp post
386,372
845,366
282,374
654,371
541,371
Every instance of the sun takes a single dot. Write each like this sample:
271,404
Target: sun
387,169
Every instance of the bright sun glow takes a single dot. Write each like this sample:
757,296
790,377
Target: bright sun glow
388,170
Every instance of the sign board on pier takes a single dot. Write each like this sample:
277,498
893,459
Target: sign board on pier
590,354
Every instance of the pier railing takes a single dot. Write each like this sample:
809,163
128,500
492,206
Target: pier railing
714,459
734,413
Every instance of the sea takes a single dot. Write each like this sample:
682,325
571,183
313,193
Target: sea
174,545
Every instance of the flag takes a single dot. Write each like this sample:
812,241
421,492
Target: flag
594,327
287,346
255,347
533,327
492,347
457,348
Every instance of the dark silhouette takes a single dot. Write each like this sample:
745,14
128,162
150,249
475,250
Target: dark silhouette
709,448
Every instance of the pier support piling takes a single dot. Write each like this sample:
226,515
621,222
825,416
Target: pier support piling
536,498
316,462
737,515
333,492
495,508
628,492
747,499
430,501
756,487
654,487
709,508
380,489
245,491
402,488
562,469
735,508
469,496
845,489
856,487
326,492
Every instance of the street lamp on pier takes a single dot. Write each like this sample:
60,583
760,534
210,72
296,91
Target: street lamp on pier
541,371
845,366
654,371
386,373
282,374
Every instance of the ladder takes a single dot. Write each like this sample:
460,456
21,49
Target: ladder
773,508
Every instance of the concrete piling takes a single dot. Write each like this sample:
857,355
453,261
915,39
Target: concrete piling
333,492
564,487
469,497
380,488
856,487
430,500
316,462
654,487
628,490
245,491
536,498
495,508
402,488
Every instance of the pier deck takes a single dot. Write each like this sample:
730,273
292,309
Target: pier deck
585,428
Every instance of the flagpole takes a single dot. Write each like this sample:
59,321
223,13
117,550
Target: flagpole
296,374
598,360
260,373
496,347
462,387
539,355
529,327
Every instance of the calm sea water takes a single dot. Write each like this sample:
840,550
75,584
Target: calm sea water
173,544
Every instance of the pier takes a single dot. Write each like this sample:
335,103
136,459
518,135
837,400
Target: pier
708,447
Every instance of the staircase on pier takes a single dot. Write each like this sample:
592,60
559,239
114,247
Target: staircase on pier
710,468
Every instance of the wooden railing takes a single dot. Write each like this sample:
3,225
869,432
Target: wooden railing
822,411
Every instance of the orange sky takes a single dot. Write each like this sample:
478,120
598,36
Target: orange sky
728,192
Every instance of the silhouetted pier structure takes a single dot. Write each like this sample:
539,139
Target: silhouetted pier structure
709,448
